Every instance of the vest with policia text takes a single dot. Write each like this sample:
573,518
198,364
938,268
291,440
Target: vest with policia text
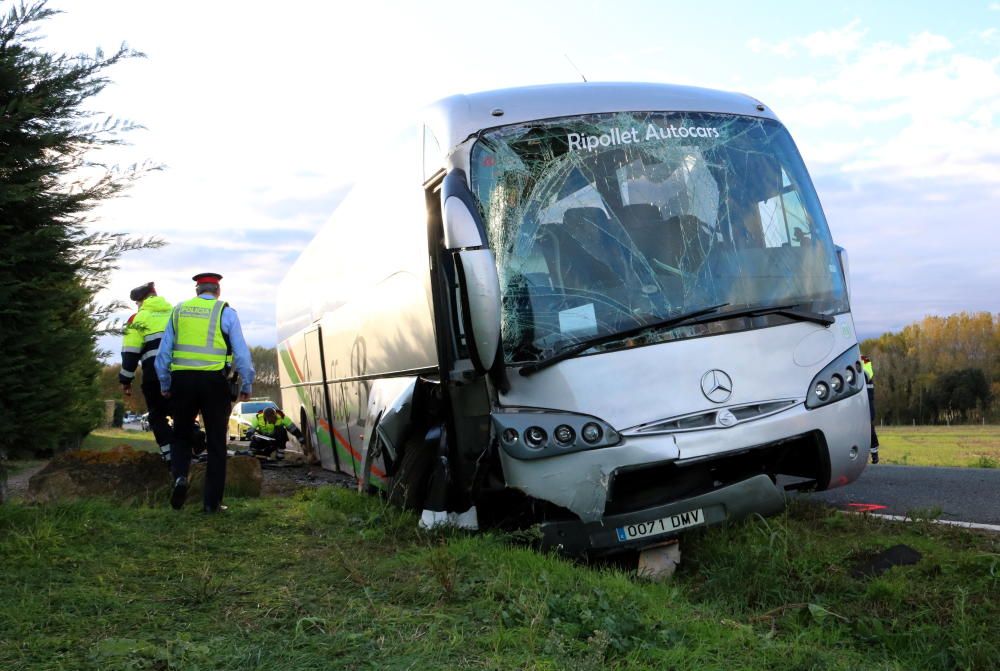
141,341
199,343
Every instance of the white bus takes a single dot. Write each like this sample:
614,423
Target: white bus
614,310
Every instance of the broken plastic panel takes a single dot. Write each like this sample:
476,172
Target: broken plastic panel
603,223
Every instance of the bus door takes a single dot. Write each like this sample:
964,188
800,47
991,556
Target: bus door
318,396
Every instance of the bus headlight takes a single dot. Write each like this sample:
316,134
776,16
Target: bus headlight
565,434
838,380
822,390
591,432
535,436
837,384
538,433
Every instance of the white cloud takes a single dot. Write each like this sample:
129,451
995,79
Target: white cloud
891,111
838,42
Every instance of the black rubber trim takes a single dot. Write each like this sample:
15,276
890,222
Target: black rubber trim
456,184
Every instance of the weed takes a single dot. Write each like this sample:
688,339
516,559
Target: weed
985,462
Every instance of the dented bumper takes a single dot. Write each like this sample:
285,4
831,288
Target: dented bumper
727,504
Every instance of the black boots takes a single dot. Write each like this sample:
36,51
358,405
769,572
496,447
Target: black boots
179,493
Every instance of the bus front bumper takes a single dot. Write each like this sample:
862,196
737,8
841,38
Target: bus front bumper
726,504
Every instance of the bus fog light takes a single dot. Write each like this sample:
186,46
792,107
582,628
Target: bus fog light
510,436
535,436
854,452
565,434
821,390
592,432
851,377
837,384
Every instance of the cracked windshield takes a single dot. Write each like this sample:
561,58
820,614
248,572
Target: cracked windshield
604,223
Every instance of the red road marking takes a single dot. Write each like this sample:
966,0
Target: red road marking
865,507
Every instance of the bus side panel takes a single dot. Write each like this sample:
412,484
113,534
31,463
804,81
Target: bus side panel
397,335
301,376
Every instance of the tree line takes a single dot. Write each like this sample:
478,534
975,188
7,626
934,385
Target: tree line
940,370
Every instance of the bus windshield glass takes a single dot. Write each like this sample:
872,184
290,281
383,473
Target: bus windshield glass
603,223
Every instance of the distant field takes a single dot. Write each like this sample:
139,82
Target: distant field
105,439
972,445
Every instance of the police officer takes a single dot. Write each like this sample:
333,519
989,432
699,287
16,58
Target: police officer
866,364
141,343
272,423
199,338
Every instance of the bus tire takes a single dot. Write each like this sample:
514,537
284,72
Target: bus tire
407,486
308,449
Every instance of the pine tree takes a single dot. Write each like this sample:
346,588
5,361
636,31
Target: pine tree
51,267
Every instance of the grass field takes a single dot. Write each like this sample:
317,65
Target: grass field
973,445
105,439
330,579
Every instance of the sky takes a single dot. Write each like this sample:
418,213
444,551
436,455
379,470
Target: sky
261,112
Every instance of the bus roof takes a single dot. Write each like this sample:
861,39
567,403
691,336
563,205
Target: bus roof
456,118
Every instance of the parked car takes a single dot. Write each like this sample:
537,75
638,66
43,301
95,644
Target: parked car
241,418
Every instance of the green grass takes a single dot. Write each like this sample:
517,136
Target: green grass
974,445
331,579
105,439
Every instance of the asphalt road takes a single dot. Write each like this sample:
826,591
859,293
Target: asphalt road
962,494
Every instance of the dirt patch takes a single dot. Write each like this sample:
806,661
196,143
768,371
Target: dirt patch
282,480
17,482
286,479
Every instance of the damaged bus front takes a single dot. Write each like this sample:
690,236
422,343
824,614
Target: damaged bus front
613,309
676,341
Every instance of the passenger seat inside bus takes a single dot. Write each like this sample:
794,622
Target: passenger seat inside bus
580,250
660,241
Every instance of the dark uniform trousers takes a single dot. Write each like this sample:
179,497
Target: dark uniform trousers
267,447
208,392
158,406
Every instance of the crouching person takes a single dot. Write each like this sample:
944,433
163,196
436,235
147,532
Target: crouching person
269,433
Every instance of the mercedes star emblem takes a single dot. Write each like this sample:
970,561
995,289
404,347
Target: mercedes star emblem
716,386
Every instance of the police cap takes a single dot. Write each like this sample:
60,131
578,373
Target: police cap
207,278
142,292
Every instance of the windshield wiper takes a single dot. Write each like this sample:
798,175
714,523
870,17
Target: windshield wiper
584,345
793,311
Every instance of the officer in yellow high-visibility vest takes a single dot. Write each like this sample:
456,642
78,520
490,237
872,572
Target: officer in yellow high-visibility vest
274,426
140,345
202,334
866,364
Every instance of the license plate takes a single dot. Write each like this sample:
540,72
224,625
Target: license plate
691,518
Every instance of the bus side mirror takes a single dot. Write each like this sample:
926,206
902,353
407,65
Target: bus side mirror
845,268
479,288
463,227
